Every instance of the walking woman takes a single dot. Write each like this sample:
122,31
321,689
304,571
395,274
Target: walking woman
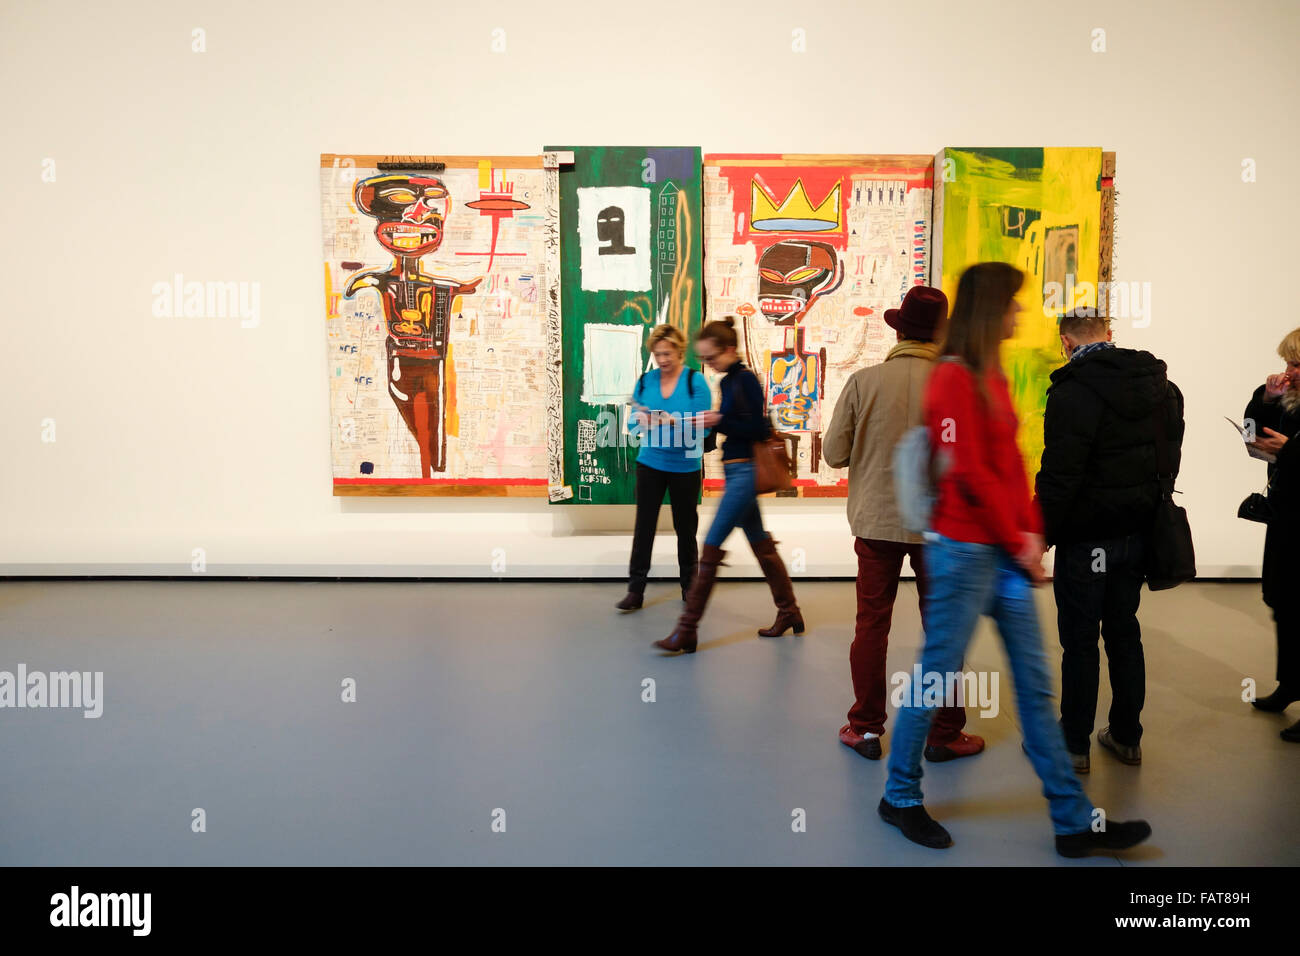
984,556
665,406
1274,410
740,417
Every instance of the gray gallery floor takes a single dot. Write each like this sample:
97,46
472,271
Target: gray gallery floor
527,698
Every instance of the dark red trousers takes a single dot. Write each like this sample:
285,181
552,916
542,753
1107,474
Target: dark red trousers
879,565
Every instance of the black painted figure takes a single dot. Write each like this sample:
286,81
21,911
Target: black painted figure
610,227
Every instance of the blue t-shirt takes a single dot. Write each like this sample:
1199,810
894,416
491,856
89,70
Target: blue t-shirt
677,445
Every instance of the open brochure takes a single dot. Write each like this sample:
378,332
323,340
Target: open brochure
1250,446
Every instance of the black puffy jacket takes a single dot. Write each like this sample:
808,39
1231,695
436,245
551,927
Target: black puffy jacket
1281,560
1098,475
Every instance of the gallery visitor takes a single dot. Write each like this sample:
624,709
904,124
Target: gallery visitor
1273,416
984,556
1110,411
878,404
665,408
741,418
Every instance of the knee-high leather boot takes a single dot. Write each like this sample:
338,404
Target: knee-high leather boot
787,608
683,637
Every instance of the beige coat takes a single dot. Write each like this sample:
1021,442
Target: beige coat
877,406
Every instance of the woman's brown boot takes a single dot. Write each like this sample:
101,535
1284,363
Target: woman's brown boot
683,637
788,614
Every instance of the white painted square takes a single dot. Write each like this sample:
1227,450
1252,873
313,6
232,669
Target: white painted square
611,362
628,271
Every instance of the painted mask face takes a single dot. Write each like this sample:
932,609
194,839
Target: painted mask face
610,226
792,275
410,209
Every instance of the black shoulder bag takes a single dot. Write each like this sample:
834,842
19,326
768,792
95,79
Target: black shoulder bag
1169,558
1257,507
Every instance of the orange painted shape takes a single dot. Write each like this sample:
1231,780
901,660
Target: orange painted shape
449,370
331,298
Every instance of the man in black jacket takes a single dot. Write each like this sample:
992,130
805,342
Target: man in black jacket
1098,492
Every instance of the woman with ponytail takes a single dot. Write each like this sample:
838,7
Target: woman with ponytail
741,418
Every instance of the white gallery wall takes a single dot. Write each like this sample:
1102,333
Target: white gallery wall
172,435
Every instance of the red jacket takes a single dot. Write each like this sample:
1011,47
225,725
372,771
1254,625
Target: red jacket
983,497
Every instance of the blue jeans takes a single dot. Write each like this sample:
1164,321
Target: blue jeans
739,506
965,581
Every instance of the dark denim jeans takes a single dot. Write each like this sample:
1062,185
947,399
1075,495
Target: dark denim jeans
1098,585
965,581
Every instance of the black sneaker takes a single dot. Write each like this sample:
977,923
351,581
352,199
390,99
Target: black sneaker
1119,835
917,825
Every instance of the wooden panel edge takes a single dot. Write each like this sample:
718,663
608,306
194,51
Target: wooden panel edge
369,160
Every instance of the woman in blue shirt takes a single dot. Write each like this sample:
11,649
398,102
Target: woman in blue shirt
740,417
664,409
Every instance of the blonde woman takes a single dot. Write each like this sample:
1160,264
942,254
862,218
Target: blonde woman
665,404
1274,411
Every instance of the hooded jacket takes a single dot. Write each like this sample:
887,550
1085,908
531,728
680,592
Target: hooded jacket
1099,467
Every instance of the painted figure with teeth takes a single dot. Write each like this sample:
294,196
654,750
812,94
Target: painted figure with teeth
792,275
411,212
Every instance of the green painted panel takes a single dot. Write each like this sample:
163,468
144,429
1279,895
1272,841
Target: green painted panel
631,258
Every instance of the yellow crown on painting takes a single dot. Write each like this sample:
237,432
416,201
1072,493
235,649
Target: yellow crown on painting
796,212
